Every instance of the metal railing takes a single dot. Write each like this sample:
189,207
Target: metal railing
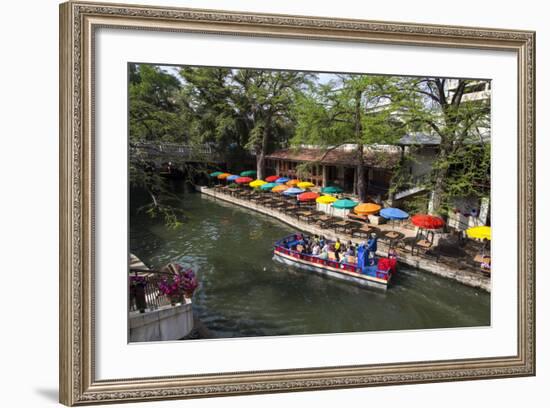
146,295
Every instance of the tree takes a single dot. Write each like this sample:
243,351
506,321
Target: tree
354,109
438,105
245,107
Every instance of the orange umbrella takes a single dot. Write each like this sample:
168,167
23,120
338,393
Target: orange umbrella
223,176
367,208
292,183
280,189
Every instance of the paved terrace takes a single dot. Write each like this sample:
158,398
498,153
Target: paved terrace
445,258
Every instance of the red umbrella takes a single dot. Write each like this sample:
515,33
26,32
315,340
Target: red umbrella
243,180
427,221
308,196
271,179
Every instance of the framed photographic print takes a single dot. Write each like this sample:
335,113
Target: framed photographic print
260,203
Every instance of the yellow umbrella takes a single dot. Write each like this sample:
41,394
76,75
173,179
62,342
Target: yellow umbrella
482,232
367,208
223,176
326,199
292,183
257,183
305,184
279,189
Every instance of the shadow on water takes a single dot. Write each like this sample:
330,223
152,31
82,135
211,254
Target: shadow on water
244,292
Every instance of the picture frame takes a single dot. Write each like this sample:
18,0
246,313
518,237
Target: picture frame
79,22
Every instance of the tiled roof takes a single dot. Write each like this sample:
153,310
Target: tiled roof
380,158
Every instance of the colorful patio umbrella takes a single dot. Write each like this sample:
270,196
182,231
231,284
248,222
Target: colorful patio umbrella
243,180
331,190
223,176
233,177
248,173
391,213
344,204
481,232
293,182
427,221
280,188
271,179
367,208
257,183
268,186
305,184
282,180
215,174
326,199
307,196
293,191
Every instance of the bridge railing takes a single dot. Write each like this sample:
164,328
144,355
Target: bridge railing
144,290
165,148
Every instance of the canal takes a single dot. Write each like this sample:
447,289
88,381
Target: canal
244,292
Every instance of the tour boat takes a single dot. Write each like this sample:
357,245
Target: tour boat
374,272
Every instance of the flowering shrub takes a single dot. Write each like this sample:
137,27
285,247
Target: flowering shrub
182,282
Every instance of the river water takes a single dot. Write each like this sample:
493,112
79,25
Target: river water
244,292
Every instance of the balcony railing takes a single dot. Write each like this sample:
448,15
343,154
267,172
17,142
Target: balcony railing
144,292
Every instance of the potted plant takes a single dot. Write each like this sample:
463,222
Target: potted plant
178,284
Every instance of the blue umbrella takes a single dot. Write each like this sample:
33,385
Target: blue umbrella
282,180
232,177
293,191
393,214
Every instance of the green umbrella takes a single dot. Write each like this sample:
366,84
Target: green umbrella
331,190
345,204
269,186
215,174
248,173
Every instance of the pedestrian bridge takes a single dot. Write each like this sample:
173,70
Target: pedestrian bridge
174,152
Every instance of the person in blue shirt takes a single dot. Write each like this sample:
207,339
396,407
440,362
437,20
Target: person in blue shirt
372,245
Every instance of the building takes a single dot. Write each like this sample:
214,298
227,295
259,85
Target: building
337,166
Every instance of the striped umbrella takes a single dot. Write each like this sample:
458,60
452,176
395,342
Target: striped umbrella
248,173
271,179
223,176
233,177
215,174
280,188
282,180
305,184
367,208
326,199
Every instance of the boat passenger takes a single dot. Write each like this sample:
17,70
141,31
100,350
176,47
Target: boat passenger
351,247
372,245
324,252
322,241
337,248
316,250
392,253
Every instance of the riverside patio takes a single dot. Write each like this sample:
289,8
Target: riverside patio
444,254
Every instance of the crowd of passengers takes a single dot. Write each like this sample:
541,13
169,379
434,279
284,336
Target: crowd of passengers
319,246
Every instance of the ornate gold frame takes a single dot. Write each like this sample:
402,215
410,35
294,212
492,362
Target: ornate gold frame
77,24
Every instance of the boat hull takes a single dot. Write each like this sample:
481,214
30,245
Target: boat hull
325,269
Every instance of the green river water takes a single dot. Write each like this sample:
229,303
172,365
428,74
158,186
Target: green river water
244,292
